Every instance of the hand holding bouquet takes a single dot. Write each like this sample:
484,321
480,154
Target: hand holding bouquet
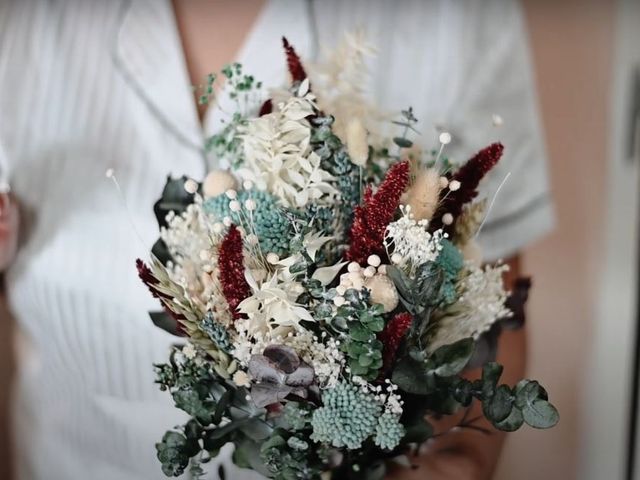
329,290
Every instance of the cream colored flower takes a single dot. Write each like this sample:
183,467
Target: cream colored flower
424,193
357,144
241,379
217,182
279,159
383,291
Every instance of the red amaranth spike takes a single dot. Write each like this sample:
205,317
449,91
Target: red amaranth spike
469,176
378,209
293,62
392,336
231,265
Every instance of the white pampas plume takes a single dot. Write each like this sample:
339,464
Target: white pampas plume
424,193
357,144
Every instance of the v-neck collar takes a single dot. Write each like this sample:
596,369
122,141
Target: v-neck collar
148,51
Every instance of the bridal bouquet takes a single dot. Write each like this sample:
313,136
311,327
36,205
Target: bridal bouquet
328,288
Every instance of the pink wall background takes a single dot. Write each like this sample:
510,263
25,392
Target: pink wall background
572,44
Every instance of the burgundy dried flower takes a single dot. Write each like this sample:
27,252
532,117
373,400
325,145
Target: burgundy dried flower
231,264
469,176
392,336
293,62
266,108
376,212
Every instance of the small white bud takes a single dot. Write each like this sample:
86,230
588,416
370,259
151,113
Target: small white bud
374,260
447,219
252,239
234,206
454,185
396,258
341,289
247,184
218,227
191,186
273,258
497,120
445,138
353,267
109,173
382,269
227,221
231,194
250,205
369,271
444,182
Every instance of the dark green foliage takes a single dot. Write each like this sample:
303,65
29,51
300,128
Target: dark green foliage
174,199
361,323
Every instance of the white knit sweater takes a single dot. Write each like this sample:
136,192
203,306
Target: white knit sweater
91,85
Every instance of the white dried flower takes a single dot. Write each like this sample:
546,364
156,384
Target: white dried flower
481,304
411,243
279,158
241,379
217,182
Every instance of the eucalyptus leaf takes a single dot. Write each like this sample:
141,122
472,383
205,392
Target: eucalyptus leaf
540,414
418,432
451,359
499,406
414,377
512,423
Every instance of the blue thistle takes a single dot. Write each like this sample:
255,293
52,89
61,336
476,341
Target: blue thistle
216,332
271,224
450,261
348,417
389,431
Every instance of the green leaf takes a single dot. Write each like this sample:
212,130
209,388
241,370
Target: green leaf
499,406
359,332
451,359
528,391
414,377
540,414
402,142
221,407
490,375
166,322
512,423
418,432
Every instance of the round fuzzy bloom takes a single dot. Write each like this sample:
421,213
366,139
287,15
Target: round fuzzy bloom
383,291
241,379
450,260
348,417
270,223
389,431
217,182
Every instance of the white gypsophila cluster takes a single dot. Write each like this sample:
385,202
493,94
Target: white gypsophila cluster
480,305
278,154
193,245
386,395
340,83
326,359
409,244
